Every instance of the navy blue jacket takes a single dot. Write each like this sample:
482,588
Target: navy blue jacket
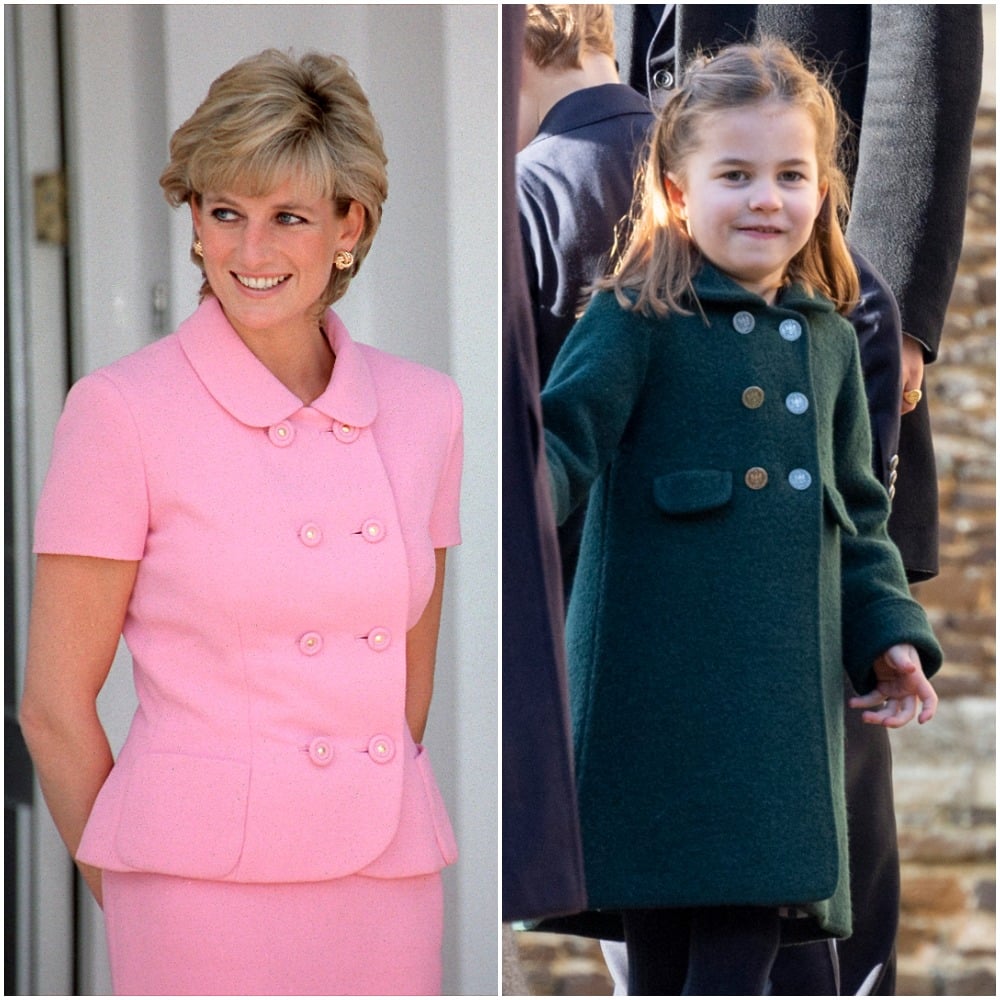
574,187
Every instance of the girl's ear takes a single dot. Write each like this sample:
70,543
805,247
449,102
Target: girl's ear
675,195
824,190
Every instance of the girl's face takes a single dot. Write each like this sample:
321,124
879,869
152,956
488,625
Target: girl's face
268,259
750,192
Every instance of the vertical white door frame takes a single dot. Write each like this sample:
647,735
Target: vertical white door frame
36,379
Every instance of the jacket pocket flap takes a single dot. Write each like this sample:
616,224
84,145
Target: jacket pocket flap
835,506
693,491
184,815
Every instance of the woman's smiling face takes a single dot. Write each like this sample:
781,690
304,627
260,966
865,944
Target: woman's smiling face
750,192
268,258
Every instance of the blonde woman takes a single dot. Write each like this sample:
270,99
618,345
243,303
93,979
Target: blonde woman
262,506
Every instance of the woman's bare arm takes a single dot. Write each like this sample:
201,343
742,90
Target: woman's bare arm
421,653
77,614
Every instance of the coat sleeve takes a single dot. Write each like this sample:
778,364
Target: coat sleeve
589,397
908,204
95,501
877,610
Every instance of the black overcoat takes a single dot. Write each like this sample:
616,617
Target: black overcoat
542,866
734,562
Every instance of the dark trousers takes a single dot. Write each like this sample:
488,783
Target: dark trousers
703,951
868,956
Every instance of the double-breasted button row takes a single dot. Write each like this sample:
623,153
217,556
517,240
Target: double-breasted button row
381,749
378,639
756,478
281,435
372,531
744,322
795,402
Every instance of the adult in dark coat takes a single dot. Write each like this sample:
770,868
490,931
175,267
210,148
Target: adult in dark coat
575,181
908,78
542,866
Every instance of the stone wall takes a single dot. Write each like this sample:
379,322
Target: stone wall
945,775
945,779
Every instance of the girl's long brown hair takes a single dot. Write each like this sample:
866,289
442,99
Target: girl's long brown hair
659,259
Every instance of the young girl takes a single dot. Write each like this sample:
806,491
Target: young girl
735,557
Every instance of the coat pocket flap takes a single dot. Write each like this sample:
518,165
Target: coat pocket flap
693,491
837,509
184,815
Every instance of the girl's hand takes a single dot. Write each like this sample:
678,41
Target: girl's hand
901,687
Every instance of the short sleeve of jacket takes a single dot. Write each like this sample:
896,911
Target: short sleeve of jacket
444,522
94,501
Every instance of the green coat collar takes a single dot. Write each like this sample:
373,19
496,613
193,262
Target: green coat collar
711,285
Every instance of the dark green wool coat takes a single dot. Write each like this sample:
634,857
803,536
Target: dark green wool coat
734,562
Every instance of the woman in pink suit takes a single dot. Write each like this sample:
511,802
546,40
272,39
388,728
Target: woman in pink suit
262,507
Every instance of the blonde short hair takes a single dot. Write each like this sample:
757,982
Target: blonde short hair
271,117
555,35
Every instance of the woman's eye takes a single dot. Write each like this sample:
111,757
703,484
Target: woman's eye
288,219
223,214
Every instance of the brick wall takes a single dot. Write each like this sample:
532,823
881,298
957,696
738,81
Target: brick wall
945,778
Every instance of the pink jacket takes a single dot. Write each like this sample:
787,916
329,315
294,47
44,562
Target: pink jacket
285,550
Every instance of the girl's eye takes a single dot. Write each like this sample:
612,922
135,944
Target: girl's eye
734,175
792,176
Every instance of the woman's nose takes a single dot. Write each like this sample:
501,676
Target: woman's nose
256,241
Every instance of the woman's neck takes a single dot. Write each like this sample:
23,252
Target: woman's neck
302,361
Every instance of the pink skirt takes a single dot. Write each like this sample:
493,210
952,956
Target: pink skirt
355,936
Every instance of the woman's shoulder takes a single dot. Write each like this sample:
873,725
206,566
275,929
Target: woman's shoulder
405,382
151,369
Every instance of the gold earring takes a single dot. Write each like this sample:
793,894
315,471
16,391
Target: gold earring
343,259
198,248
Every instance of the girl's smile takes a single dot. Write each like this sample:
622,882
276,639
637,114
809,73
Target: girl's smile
750,192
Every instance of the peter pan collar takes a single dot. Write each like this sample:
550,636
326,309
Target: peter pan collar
245,387
711,285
